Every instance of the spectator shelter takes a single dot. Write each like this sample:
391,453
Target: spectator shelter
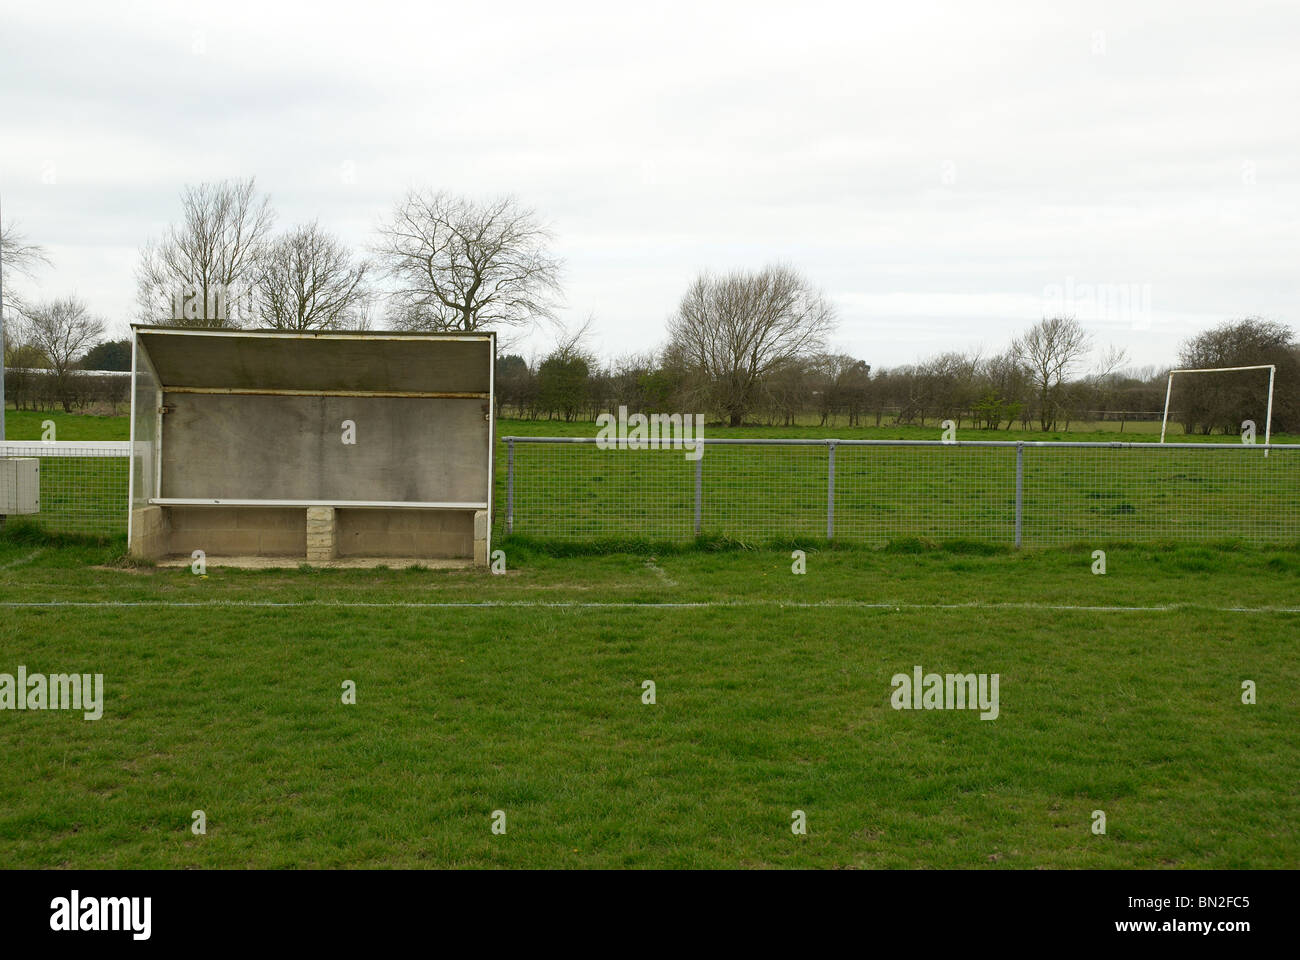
317,445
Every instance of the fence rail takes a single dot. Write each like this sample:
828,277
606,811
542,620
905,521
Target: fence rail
874,491
83,484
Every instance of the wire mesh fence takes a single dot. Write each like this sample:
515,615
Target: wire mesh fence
872,492
875,491
83,484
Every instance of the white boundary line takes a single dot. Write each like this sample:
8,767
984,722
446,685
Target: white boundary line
633,605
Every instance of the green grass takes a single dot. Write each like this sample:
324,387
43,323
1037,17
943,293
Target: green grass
773,698
28,425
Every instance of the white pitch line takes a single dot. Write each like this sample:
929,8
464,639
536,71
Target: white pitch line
633,605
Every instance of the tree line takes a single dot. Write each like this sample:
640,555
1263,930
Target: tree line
1040,382
748,346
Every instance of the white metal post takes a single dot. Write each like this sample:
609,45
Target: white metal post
491,496
1164,420
1268,420
510,484
830,490
1020,493
130,457
699,493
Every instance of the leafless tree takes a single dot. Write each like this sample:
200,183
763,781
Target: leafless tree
1002,384
211,259
458,264
18,255
564,377
367,313
62,330
309,280
1052,349
574,343
948,383
837,383
735,330
1109,364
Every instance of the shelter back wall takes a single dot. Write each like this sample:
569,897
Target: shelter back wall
290,448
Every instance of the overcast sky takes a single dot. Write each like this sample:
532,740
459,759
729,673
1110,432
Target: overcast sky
947,173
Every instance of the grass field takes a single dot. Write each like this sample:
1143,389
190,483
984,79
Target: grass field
522,693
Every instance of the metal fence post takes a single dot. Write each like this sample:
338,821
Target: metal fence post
1020,491
510,485
699,491
830,489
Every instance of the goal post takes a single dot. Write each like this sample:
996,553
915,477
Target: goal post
1268,418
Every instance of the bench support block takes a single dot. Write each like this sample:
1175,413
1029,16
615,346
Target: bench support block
322,544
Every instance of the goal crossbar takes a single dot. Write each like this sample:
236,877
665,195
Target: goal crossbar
1268,419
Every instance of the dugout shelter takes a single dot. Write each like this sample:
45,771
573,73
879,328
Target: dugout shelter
318,445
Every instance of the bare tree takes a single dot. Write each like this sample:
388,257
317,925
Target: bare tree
62,330
18,255
563,378
1002,385
203,267
786,390
459,264
1052,349
948,383
309,280
734,331
838,383
1109,364
366,314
